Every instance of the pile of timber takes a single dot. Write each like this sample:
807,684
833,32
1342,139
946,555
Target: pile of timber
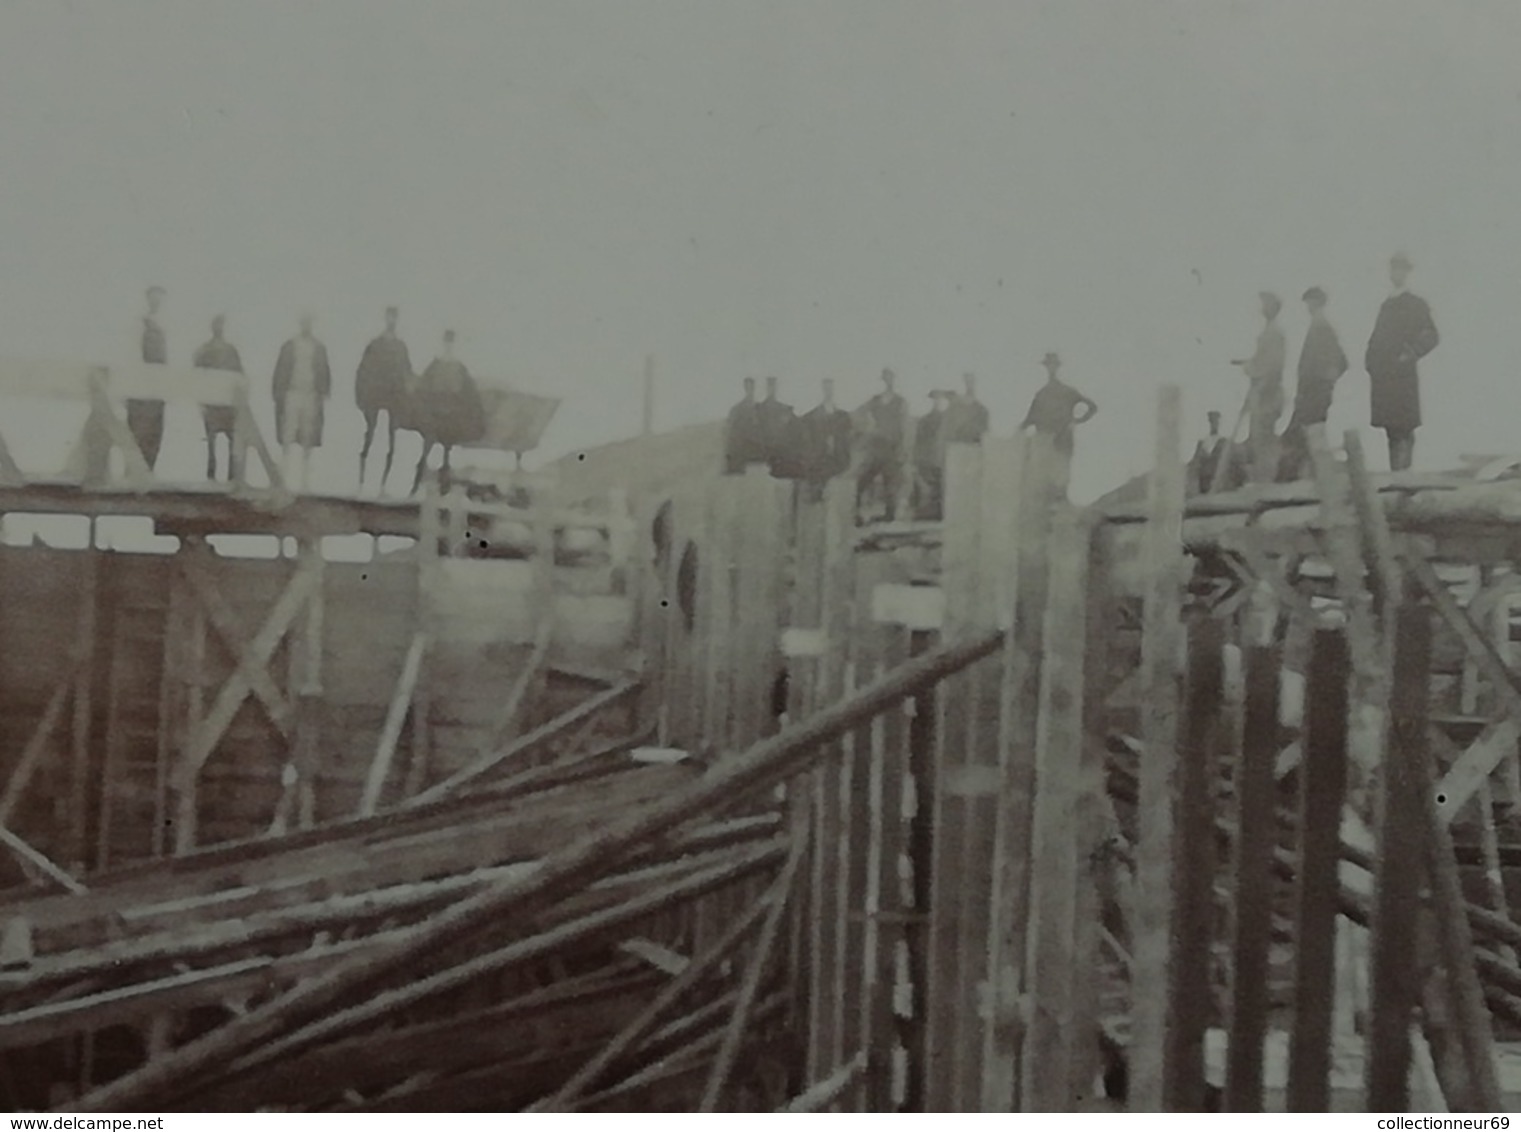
97,983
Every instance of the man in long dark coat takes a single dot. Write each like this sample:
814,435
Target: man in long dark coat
777,422
302,383
382,384
1321,364
884,421
220,420
449,408
1055,411
145,419
931,433
824,433
1404,334
743,441
966,417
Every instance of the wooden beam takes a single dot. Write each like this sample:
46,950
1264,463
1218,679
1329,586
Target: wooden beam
1194,912
1469,1017
505,724
34,859
819,1097
642,1025
1255,836
36,746
1400,865
103,417
390,732
1161,648
779,898
492,761
764,765
1322,786
195,563
1051,975
81,775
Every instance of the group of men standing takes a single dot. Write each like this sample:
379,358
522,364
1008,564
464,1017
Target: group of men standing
1404,333
882,442
443,404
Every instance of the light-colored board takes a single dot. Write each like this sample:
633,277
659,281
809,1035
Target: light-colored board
1161,649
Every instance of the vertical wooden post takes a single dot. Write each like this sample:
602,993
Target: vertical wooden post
81,774
1161,648
1256,833
428,534
922,749
1322,787
1400,868
1051,975
952,997
1191,989
309,692
186,776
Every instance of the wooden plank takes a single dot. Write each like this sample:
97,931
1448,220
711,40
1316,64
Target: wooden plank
890,772
1161,647
715,613
103,416
1322,786
1470,771
590,1075
37,745
1191,992
1467,1015
38,861
81,774
505,725
390,733
196,564
1399,870
1253,881
762,767
779,898
951,996
1051,974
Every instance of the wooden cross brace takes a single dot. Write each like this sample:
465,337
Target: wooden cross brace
103,424
251,677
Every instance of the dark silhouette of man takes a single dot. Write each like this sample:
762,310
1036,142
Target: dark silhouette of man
776,421
825,432
743,442
966,417
450,409
145,418
1404,334
383,384
884,421
1321,364
220,420
931,433
1209,455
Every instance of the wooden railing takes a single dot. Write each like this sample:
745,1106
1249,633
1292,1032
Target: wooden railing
105,430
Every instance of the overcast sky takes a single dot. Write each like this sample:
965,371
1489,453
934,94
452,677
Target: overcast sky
802,187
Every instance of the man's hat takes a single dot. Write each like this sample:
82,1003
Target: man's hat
1400,259
1051,359
1314,295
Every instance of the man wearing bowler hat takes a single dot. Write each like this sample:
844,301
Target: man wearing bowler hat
1404,334
1056,410
1321,364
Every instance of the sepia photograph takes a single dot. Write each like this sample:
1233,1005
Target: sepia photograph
766,556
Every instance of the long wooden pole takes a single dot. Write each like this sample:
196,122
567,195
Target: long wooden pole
647,417
765,764
390,734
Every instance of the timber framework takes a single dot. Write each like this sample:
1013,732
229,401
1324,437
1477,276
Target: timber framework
1170,804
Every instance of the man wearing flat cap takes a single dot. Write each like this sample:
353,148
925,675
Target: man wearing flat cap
1403,335
1264,391
1321,364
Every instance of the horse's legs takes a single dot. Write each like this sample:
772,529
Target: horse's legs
371,419
385,476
